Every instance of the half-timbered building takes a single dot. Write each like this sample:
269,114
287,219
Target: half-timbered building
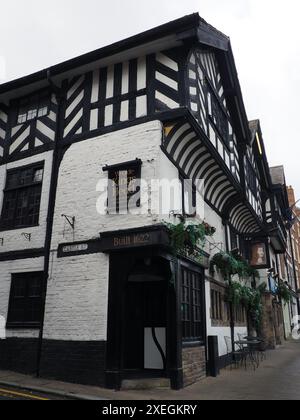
97,298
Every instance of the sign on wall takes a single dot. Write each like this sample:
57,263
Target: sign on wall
259,254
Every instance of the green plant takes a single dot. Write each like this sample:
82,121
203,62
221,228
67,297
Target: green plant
229,265
284,293
187,238
248,297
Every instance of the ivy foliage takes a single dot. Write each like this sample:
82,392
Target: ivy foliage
284,293
187,238
229,265
251,299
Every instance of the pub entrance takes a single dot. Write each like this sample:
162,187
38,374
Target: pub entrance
142,330
145,323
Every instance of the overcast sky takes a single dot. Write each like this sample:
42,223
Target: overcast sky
265,36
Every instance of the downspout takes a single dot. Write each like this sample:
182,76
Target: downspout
59,92
231,312
294,269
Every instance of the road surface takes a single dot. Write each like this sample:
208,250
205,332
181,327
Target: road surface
10,394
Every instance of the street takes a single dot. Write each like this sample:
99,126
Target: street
10,394
278,378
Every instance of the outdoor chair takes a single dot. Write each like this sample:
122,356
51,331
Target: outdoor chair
234,357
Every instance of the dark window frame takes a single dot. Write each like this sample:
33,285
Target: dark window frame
42,100
15,186
217,311
251,178
185,211
112,170
28,302
234,239
192,315
216,102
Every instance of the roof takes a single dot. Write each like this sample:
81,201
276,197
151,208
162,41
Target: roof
178,30
188,30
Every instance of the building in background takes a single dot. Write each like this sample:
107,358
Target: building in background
286,265
294,249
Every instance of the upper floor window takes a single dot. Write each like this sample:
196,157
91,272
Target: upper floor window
32,107
251,177
124,187
22,195
189,198
218,116
25,300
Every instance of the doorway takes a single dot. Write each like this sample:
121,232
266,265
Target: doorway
145,320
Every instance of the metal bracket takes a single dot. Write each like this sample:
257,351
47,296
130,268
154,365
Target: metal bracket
27,236
175,213
212,247
70,220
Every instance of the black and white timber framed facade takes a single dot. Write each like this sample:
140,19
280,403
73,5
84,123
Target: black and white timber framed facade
170,99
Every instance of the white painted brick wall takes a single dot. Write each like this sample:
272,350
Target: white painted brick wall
77,298
81,169
6,269
13,240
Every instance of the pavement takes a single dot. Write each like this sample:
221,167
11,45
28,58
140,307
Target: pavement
278,378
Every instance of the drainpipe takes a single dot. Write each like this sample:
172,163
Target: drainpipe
51,207
295,272
293,261
232,324
231,312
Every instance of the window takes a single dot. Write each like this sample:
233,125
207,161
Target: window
22,195
216,305
32,107
218,116
251,178
240,316
189,197
192,315
124,187
25,301
234,240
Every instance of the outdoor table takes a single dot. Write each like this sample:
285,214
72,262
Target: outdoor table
250,338
251,347
247,342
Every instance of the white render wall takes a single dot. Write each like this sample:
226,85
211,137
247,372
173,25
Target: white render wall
221,332
13,239
219,239
77,297
82,169
13,267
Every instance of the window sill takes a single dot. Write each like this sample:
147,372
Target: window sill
8,229
191,344
23,326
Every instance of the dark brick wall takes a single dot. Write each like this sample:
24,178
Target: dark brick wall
193,364
19,355
74,361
